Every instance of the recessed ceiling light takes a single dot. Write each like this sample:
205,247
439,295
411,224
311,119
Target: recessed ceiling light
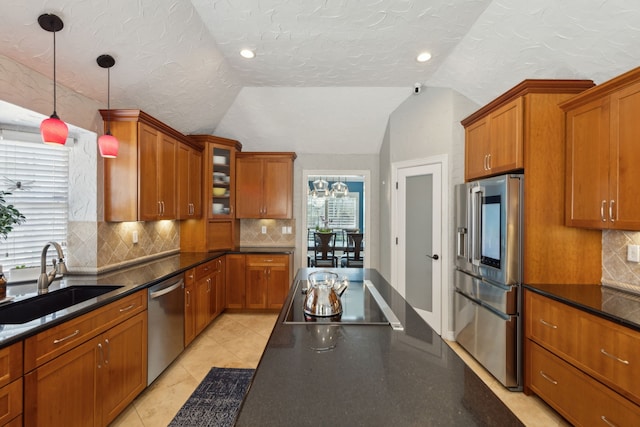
247,53
423,57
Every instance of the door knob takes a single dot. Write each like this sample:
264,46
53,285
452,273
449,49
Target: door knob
434,257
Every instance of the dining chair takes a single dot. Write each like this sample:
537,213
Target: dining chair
354,256
325,250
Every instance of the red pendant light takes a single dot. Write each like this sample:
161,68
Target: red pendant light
108,143
53,130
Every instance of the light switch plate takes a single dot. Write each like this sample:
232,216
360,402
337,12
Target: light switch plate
633,253
264,229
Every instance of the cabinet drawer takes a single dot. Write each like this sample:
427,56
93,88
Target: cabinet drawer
558,383
552,324
10,363
204,270
10,401
267,260
611,353
120,310
49,344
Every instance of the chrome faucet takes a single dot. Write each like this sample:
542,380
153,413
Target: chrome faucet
45,279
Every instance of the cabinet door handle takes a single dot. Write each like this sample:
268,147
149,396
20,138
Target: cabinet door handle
488,161
609,423
548,378
602,206
159,208
101,355
127,308
162,208
611,216
188,299
108,345
551,325
484,162
58,341
603,351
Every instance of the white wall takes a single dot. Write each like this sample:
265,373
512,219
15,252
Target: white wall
425,125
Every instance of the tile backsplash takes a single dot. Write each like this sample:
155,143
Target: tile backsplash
616,270
251,232
97,247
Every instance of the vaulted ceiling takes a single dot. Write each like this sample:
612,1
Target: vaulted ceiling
328,73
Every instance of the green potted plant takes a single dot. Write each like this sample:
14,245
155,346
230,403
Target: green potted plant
9,216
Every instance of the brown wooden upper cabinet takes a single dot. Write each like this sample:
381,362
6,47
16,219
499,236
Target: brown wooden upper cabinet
264,185
603,159
494,143
218,229
189,164
526,129
140,184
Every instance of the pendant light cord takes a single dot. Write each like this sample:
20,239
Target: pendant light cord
108,102
54,74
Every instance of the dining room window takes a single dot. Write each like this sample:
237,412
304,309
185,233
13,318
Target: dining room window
334,212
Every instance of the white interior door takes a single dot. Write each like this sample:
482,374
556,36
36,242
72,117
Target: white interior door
419,240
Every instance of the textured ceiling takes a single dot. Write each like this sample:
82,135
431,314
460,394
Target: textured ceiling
329,71
337,42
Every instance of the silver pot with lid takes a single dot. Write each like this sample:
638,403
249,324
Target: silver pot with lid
323,294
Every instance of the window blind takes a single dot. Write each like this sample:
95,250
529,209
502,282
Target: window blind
342,212
37,176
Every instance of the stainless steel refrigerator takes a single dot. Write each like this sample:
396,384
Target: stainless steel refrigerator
488,276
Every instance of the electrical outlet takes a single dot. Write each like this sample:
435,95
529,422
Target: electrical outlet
633,253
134,236
289,231
264,229
284,229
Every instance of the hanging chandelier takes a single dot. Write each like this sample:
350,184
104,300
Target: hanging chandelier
53,130
108,143
339,189
320,188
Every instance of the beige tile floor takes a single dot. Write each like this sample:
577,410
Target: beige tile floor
237,340
233,340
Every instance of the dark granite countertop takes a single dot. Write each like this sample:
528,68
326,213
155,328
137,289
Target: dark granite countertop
373,376
131,279
612,304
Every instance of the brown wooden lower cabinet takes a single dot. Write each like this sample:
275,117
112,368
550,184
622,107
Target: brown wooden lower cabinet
92,383
235,281
204,296
189,306
575,395
11,385
582,365
258,281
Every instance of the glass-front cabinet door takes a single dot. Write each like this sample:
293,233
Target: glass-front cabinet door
222,193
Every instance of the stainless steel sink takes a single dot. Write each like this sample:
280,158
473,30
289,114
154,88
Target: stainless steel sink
41,305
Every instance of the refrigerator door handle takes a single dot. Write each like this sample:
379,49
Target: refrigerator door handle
475,216
461,243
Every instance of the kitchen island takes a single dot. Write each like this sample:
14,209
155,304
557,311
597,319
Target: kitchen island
347,374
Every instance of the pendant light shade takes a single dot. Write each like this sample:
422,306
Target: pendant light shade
108,143
53,130
339,189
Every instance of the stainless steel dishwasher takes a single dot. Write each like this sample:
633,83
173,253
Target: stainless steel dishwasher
165,332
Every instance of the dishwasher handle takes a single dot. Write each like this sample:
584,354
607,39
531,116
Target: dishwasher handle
164,291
